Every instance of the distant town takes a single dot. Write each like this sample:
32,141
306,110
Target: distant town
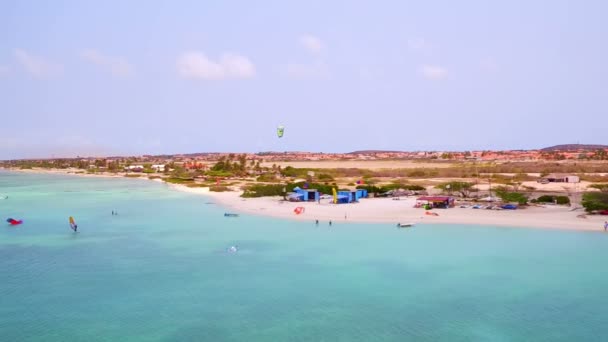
203,161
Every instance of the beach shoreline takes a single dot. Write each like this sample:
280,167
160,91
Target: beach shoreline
382,210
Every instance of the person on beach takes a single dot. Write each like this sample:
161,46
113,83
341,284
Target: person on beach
605,225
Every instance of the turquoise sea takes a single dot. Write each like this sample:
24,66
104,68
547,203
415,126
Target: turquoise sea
160,271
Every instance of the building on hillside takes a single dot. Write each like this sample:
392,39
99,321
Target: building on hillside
560,178
158,167
134,168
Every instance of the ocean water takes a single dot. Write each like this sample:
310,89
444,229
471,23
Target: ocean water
160,271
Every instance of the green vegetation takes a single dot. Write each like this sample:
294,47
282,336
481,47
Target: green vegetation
552,199
516,197
231,164
219,188
463,188
267,177
373,189
177,180
261,190
603,187
325,177
593,201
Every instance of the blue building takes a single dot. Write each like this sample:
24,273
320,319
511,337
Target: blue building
305,195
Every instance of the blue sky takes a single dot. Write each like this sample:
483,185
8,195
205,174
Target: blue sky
146,77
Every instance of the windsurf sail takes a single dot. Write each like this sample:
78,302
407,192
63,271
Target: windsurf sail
73,224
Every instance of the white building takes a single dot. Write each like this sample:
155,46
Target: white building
158,167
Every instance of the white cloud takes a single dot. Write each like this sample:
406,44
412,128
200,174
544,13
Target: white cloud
197,65
419,45
35,65
367,74
489,65
307,71
118,66
433,72
311,43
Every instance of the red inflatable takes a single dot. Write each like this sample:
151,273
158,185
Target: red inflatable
14,222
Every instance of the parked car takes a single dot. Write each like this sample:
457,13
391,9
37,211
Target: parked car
509,206
476,206
604,212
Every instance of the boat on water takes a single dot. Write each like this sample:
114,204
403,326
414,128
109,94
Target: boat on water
405,225
231,215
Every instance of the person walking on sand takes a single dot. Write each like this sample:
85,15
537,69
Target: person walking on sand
605,225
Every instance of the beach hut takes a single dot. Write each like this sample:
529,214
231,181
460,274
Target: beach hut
436,201
361,193
302,193
345,197
313,195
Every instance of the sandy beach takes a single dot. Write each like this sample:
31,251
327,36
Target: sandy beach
386,210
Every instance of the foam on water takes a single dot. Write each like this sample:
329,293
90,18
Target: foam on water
160,271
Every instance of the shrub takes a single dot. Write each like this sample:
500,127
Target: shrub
260,190
325,177
593,201
553,199
517,197
219,188
416,173
267,177
600,187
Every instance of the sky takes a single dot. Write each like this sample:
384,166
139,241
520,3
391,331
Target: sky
102,78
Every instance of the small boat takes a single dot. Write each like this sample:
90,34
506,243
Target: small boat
405,225
231,215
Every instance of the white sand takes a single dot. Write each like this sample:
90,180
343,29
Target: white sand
387,210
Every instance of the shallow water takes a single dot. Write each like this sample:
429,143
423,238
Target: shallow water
160,271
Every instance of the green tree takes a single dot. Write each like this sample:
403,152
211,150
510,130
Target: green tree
603,187
463,188
593,201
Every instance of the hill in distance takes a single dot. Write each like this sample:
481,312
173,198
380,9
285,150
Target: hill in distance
574,147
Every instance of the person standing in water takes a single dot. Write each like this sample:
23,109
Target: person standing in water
317,222
330,222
